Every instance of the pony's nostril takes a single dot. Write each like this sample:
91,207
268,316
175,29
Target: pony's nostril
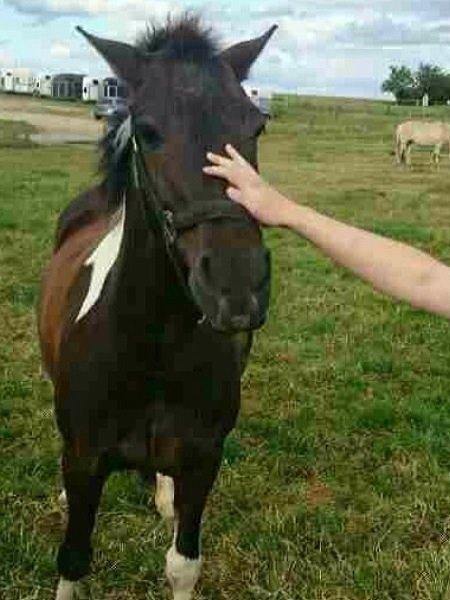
205,267
240,321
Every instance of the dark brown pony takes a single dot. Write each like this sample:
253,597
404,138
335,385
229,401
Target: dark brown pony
146,343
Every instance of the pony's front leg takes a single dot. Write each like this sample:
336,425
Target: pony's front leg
83,481
164,496
408,161
183,560
399,151
435,155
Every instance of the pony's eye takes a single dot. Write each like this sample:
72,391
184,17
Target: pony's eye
152,139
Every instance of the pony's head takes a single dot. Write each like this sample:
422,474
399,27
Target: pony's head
188,98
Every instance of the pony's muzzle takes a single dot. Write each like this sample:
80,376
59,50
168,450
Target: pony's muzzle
232,288
236,315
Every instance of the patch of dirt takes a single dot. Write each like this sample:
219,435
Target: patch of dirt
318,493
250,402
286,357
55,124
51,525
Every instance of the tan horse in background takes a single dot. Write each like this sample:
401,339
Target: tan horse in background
422,133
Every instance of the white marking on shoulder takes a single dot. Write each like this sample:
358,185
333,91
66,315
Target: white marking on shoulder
102,261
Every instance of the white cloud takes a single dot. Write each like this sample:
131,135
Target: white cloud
6,59
54,8
126,9
60,50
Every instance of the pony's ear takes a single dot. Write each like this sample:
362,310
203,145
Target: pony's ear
241,56
125,60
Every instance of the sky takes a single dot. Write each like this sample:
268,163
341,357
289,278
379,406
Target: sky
324,47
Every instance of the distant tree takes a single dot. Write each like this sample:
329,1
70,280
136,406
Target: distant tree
409,87
407,95
428,80
400,83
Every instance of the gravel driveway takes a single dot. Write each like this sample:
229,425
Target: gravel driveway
56,122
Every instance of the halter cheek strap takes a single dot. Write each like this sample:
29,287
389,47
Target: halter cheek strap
160,221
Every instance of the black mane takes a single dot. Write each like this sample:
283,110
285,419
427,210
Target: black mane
182,38
115,171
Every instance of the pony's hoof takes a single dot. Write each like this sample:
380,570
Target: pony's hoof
70,590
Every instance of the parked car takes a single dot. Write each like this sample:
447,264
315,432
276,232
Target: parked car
265,106
261,102
110,107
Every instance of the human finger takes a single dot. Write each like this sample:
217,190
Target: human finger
218,171
217,159
234,154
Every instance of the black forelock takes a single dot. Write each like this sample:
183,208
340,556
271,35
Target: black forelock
182,38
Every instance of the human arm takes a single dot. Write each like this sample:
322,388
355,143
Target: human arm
391,267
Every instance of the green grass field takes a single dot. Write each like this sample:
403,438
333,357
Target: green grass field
335,484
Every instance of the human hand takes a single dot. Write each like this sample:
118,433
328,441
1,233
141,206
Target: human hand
263,202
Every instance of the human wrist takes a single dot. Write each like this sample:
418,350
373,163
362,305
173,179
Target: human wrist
286,209
296,216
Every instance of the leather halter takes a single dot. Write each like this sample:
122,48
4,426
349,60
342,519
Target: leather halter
168,223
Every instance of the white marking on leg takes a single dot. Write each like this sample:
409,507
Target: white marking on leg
66,590
182,573
164,496
62,499
102,260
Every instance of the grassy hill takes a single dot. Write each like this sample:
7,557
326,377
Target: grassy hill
335,484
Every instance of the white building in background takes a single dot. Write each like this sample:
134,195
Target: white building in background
43,85
6,80
92,89
20,81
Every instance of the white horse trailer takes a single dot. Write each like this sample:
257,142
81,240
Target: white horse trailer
43,85
2,79
7,80
92,91
23,81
